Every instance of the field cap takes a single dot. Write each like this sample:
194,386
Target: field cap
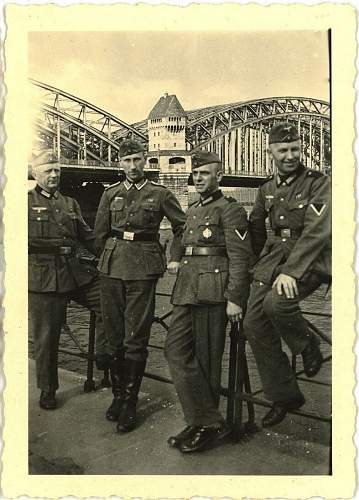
283,132
130,147
202,157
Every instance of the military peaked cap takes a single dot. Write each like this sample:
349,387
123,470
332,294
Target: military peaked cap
283,132
130,147
200,158
46,156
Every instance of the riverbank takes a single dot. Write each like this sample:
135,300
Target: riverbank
77,439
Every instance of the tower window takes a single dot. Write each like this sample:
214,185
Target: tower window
174,144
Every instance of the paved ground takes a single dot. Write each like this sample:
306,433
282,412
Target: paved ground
77,439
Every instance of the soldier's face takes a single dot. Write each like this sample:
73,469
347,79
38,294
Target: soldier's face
133,166
47,176
207,178
286,156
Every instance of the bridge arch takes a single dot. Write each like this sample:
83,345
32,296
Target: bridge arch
239,132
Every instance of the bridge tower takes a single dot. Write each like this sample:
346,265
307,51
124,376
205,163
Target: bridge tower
167,145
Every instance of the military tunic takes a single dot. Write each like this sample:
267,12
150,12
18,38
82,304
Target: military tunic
132,259
298,244
57,234
195,341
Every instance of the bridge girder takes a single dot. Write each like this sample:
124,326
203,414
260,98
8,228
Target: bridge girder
76,127
220,120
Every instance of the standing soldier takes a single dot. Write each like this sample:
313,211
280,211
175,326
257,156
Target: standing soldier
57,235
132,259
294,259
212,284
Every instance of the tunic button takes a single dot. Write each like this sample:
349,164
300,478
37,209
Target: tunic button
282,199
57,211
194,216
190,232
131,215
301,205
281,217
284,239
207,223
216,270
185,262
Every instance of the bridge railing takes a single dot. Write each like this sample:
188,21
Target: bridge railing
238,390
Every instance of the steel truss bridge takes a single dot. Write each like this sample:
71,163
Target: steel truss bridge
87,137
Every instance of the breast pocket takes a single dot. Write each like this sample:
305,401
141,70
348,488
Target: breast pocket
297,209
151,214
210,232
117,209
38,225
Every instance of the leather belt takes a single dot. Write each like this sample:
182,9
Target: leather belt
212,251
130,236
51,250
288,233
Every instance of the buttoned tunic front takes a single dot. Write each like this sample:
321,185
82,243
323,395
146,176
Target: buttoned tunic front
215,222
299,213
55,221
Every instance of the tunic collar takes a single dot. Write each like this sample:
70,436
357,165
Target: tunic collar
44,193
139,185
213,197
287,181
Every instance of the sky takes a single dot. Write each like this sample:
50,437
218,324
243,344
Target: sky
126,73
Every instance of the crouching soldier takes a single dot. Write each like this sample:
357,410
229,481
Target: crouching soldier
212,285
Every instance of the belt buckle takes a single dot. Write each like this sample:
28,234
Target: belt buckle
127,235
65,250
286,233
188,251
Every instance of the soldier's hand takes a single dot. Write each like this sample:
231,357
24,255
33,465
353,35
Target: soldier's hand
286,283
234,312
172,267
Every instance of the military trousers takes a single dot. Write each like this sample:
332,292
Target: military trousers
128,309
47,314
271,318
193,349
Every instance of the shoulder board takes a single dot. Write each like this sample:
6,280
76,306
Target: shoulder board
113,185
157,184
269,178
314,173
230,199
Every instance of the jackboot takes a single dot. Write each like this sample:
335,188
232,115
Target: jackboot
117,381
134,371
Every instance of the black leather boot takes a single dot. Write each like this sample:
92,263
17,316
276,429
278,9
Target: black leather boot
117,381
134,371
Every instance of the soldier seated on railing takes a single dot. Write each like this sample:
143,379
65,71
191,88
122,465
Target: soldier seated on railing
293,260
56,272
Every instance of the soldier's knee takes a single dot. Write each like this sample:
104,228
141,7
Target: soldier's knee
275,305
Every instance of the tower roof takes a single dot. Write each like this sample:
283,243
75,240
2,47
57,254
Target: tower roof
167,105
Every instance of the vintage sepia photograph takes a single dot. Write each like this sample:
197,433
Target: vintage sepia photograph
179,229
180,295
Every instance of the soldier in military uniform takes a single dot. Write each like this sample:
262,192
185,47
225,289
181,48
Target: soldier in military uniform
57,233
132,259
294,259
212,284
